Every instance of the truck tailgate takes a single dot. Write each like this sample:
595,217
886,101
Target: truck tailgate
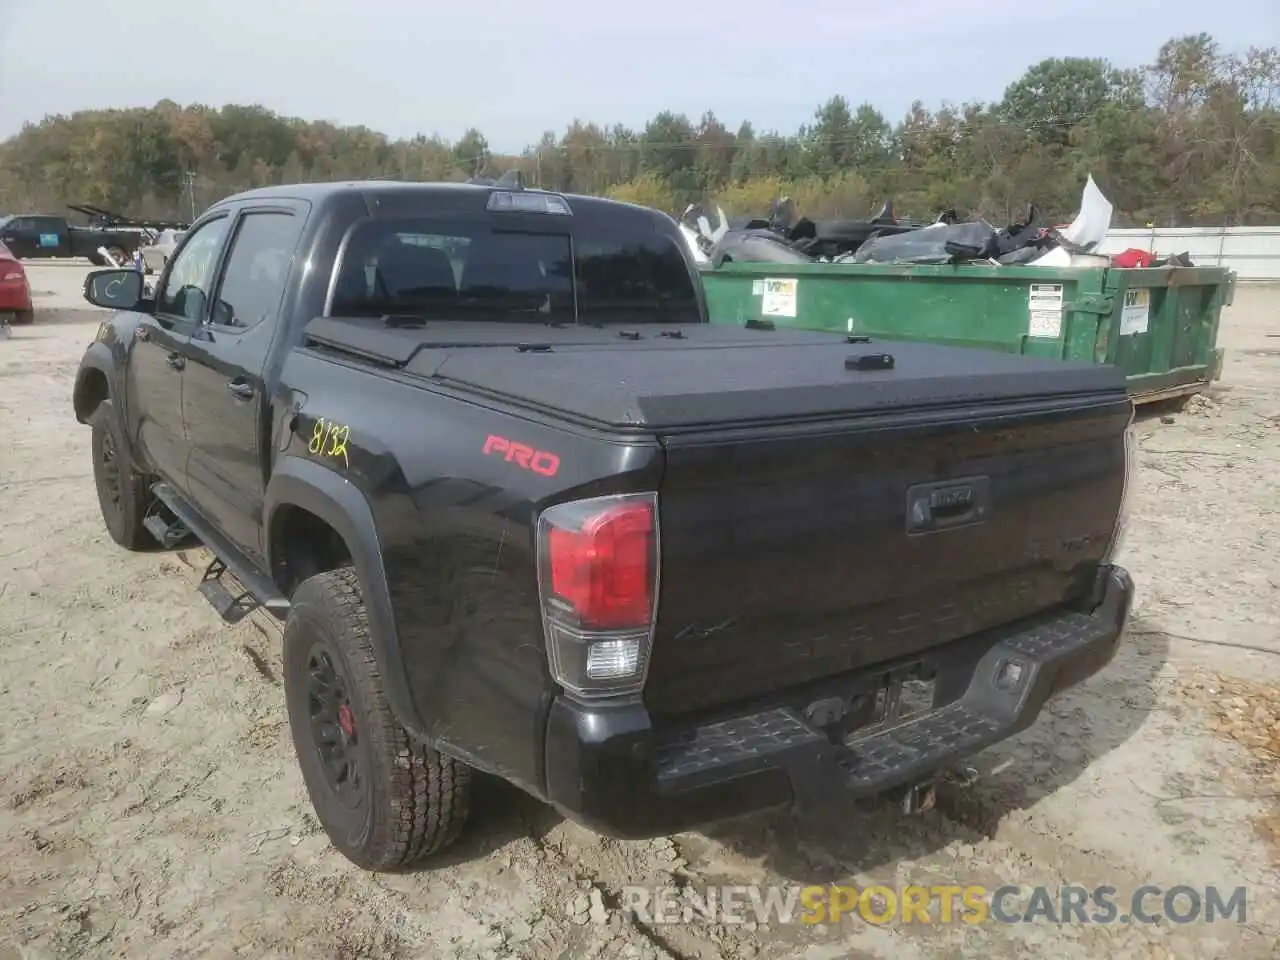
791,555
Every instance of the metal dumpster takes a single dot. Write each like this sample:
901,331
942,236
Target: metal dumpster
1159,325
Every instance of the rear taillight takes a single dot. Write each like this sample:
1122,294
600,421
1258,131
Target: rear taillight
9,273
598,575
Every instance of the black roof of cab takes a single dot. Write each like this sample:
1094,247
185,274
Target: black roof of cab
337,205
404,196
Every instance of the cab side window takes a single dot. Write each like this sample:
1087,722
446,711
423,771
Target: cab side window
186,289
257,267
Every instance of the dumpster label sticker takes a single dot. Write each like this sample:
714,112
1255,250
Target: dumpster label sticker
1136,312
1044,309
779,298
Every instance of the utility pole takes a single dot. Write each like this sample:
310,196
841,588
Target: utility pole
189,188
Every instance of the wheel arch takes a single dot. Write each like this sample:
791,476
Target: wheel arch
303,485
95,382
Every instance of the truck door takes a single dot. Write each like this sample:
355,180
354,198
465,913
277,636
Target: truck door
157,357
226,407
52,236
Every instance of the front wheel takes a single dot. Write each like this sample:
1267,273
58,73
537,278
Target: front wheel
122,493
384,799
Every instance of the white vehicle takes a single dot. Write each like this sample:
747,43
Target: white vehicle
155,255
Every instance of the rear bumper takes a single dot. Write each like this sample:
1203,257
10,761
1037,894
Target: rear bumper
612,770
15,297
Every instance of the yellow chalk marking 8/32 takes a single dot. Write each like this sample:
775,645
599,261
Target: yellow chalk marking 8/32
329,439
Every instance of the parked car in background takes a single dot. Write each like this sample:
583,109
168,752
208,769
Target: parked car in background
156,255
15,291
37,236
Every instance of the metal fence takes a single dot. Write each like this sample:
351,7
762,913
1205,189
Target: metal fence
1252,252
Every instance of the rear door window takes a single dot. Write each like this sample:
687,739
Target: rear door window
253,280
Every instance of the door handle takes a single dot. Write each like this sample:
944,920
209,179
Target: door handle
241,390
176,360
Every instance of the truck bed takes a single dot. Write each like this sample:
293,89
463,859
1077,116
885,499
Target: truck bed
712,375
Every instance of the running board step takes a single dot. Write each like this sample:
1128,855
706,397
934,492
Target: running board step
231,607
168,535
259,590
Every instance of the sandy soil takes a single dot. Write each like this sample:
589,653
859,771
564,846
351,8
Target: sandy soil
150,805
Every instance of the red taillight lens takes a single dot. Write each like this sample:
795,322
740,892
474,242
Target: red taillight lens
605,569
9,273
598,572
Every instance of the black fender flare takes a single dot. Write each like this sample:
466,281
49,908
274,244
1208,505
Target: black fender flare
338,502
97,359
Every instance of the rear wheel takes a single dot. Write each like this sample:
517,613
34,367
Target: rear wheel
122,493
384,799
24,316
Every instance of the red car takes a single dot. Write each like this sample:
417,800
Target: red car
15,292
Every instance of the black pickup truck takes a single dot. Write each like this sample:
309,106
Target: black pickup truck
523,510
37,236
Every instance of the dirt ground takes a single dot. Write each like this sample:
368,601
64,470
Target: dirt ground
150,804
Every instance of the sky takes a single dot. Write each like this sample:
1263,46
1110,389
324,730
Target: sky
515,69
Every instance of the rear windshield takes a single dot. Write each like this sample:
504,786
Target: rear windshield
469,270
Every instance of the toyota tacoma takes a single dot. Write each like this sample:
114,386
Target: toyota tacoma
523,510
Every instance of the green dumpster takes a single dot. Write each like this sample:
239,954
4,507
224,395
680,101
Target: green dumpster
1159,325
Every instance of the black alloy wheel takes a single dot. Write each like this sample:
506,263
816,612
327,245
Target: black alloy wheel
333,728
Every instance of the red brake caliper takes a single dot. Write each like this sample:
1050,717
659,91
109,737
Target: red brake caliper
347,720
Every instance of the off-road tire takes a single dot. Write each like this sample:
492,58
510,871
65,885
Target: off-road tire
413,800
124,514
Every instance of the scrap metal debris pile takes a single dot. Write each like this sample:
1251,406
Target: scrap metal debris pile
886,238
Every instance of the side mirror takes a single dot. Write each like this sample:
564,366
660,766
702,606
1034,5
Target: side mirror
114,289
224,315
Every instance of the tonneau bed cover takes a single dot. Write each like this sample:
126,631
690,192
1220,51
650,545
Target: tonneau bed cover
649,378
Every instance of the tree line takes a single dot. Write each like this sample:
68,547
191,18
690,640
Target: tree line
1193,138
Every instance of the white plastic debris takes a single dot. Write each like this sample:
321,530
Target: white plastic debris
1093,222
1087,230
1058,257
691,241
